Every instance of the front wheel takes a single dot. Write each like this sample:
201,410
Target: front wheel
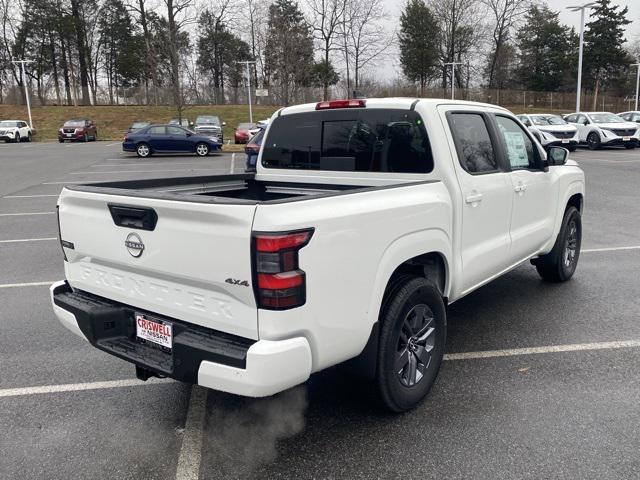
29,137
143,150
17,138
560,263
593,141
411,346
572,148
631,146
202,149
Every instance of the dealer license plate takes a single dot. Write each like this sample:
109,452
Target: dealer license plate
154,331
69,134
626,139
565,141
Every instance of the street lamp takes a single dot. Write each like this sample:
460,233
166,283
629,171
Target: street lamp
453,77
580,8
247,63
26,87
637,83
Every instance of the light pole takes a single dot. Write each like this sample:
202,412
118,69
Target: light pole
247,63
453,77
637,83
581,8
26,87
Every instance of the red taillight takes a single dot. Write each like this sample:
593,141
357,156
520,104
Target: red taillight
126,137
341,104
279,282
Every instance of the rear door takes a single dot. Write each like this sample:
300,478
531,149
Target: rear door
194,264
486,196
158,138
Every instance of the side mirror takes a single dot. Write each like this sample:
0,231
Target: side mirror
224,124
189,134
557,156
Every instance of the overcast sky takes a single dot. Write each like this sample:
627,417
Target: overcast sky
394,7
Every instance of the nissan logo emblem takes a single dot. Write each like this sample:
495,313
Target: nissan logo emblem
134,245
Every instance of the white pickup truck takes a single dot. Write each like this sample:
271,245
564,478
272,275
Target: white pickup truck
365,219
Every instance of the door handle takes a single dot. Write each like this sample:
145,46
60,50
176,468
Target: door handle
473,198
520,188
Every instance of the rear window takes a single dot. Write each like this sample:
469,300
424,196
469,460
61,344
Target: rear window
361,140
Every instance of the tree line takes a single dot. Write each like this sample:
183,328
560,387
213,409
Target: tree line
84,52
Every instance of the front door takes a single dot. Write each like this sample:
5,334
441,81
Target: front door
534,194
486,198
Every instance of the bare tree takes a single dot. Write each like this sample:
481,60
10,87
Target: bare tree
327,18
460,30
255,21
505,13
363,37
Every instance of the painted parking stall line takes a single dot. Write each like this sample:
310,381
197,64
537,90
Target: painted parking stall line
191,451
609,249
28,284
25,214
33,196
78,387
27,240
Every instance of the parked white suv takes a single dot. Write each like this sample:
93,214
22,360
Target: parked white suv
551,130
600,129
364,220
632,116
15,131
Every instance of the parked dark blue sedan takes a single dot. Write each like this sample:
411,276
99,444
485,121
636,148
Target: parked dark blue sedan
169,139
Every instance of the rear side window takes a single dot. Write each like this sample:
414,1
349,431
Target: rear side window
473,142
156,131
361,140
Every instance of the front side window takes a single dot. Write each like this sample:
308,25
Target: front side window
571,119
473,142
360,140
176,131
521,152
605,118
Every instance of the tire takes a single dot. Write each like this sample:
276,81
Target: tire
630,147
411,342
60,140
143,150
572,148
593,141
85,139
560,263
202,149
17,138
95,136
29,137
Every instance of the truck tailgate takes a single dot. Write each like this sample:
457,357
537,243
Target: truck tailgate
195,265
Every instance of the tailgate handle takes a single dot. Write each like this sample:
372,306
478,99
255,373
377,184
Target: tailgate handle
140,218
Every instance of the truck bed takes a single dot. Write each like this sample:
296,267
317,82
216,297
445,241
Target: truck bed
235,189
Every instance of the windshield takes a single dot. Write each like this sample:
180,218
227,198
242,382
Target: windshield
547,120
360,140
605,118
74,123
207,121
8,123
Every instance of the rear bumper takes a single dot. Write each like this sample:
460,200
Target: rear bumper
209,358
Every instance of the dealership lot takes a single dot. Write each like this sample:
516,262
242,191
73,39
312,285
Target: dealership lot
566,410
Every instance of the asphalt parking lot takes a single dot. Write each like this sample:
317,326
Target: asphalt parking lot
541,381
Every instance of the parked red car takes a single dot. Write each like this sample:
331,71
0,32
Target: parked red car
78,129
242,134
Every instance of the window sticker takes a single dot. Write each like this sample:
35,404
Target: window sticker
516,149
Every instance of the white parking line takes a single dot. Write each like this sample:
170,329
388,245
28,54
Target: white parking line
25,240
610,249
191,450
31,284
62,183
25,214
77,387
145,164
185,170
31,196
573,347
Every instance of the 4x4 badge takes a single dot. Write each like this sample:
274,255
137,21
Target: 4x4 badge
233,281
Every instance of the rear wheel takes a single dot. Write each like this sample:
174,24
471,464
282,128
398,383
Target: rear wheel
29,137
593,141
411,346
143,150
202,149
560,263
